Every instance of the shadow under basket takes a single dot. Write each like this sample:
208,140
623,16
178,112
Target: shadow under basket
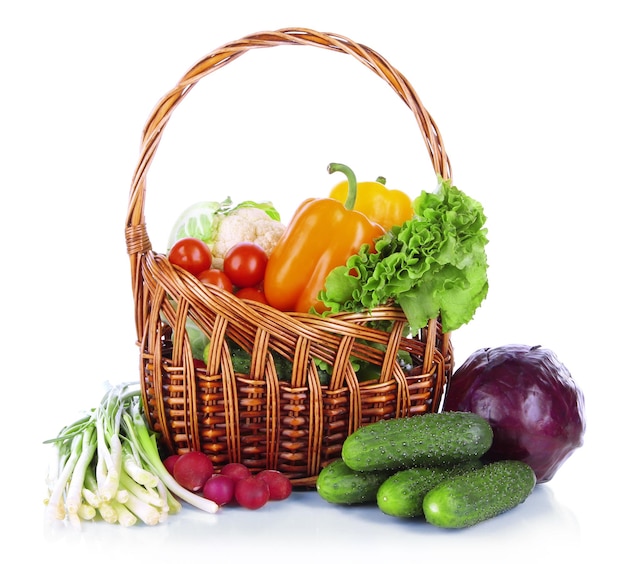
300,395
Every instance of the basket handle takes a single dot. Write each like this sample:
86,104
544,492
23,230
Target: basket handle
137,241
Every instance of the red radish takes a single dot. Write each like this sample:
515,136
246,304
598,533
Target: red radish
192,470
236,471
252,493
169,462
219,488
279,485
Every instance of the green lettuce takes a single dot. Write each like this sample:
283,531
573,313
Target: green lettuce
433,265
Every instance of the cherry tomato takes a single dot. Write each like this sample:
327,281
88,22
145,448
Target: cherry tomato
245,263
251,294
191,254
217,278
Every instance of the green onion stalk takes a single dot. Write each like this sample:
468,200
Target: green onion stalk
107,465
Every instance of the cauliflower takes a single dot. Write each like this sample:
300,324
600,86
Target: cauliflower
245,224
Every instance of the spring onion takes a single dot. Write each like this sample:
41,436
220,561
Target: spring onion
107,465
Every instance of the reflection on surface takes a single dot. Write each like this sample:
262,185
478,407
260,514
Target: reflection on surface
306,522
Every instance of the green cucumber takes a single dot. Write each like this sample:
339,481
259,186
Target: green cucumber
468,499
432,439
402,494
338,483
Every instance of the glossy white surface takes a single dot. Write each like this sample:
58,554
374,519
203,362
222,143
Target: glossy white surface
529,99
309,529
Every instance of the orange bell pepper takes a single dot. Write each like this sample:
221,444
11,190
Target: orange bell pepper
322,235
382,205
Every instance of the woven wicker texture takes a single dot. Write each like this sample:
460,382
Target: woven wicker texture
298,425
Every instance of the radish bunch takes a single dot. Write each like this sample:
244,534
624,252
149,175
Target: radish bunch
234,483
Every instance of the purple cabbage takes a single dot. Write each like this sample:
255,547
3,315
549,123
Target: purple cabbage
529,398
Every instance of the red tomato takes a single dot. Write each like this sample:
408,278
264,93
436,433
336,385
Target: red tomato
245,263
217,278
251,294
191,254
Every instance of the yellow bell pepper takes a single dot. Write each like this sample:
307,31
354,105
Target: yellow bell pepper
380,204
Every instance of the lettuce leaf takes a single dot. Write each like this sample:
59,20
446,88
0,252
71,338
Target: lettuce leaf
433,265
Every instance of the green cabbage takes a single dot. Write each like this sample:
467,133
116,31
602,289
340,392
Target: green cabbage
432,266
197,339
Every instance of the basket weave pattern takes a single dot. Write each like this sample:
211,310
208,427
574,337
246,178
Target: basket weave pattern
295,426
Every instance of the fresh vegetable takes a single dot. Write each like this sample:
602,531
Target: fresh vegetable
249,224
217,278
284,367
191,254
531,401
433,265
242,360
169,462
252,492
221,225
254,294
236,471
363,369
107,463
431,439
245,264
338,483
200,221
279,485
322,234
192,470
476,496
380,204
219,488
197,339
402,494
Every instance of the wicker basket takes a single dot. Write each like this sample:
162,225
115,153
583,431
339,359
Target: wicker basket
295,426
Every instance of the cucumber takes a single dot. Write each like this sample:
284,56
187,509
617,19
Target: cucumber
476,496
402,494
338,483
432,439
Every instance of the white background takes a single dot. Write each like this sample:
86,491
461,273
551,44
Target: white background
529,99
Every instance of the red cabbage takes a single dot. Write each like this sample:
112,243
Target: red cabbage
531,401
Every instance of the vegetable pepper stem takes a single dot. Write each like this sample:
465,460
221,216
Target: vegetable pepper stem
351,198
